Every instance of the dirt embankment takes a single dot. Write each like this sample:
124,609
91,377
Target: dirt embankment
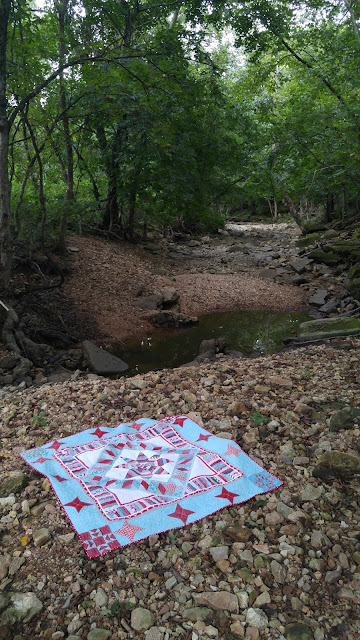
107,279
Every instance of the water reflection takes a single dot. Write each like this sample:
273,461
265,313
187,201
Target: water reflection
251,332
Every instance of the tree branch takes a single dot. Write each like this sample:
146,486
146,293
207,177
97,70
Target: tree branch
308,64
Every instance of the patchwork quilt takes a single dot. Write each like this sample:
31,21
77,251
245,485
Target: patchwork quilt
120,485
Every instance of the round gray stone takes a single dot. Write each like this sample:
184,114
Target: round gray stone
298,631
141,619
257,618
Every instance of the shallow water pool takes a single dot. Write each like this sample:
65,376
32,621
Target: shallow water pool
251,332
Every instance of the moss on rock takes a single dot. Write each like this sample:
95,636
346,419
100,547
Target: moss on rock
329,328
339,463
325,257
308,239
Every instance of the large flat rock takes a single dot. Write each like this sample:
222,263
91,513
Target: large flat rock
329,328
299,265
319,298
103,362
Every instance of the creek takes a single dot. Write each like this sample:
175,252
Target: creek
252,333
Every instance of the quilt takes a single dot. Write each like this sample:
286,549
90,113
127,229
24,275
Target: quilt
123,484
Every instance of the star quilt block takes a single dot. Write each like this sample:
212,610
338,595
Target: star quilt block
121,485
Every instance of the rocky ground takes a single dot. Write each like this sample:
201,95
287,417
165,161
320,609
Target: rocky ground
251,571
283,565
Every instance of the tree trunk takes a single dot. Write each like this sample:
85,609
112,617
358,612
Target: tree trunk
6,245
350,7
70,197
111,213
330,206
343,204
132,210
293,210
38,186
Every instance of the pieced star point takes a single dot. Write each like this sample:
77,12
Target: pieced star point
78,504
56,445
128,530
137,426
227,495
99,432
60,478
232,451
40,460
180,421
203,437
181,513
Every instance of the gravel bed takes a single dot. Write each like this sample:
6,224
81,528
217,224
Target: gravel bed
283,565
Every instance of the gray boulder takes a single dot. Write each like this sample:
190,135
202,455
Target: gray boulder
172,320
101,361
169,297
13,483
319,297
328,328
150,303
337,463
20,607
343,419
7,363
209,348
299,265
298,631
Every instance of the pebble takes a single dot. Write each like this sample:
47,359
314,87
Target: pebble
98,634
284,510
237,628
218,600
331,577
101,598
319,540
311,493
154,634
257,618
298,631
198,613
15,565
278,571
41,537
141,619
262,599
243,598
219,553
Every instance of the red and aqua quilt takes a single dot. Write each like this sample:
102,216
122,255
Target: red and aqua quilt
120,485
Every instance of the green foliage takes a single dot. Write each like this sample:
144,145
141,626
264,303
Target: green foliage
173,538
164,129
39,419
120,609
259,419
